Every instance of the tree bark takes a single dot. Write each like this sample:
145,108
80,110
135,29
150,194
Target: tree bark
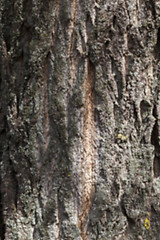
79,119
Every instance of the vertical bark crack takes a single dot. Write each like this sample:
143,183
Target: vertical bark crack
59,215
2,224
155,143
2,137
131,222
72,26
157,46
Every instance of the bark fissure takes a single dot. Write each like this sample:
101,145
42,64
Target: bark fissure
131,222
59,215
15,185
155,143
72,26
157,46
2,222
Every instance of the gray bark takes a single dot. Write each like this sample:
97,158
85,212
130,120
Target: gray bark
79,119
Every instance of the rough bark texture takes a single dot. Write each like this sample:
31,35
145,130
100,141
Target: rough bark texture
79,119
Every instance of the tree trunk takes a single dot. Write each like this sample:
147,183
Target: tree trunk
79,119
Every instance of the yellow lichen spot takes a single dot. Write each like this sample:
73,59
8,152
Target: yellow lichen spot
124,138
69,174
119,135
148,213
147,223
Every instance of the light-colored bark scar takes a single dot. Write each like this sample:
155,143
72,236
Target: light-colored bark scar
88,158
71,32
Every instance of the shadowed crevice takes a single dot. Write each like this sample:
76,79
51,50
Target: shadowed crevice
157,46
155,143
131,222
153,10
118,78
2,224
2,145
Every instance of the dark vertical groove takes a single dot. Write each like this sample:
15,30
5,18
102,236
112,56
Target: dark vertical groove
14,183
2,224
152,4
131,222
118,78
155,143
157,46
2,146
